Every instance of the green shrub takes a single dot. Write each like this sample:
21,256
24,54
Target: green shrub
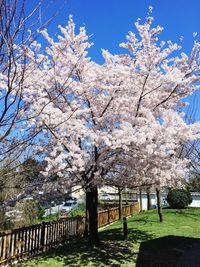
179,198
5,222
79,210
30,213
41,211
50,217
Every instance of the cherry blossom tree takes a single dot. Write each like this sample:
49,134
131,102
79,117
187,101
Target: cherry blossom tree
89,114
146,168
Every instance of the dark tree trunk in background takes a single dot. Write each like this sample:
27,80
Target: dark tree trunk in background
120,203
86,232
140,200
148,199
92,209
159,206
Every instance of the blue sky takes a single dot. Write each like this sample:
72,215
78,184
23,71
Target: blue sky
108,21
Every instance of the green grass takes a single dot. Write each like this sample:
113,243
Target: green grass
149,243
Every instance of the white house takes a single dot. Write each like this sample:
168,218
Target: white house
195,199
78,192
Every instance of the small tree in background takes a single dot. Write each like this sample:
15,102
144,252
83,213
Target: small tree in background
30,211
194,183
3,220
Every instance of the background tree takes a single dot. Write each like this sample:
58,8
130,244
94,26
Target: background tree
13,26
194,183
19,26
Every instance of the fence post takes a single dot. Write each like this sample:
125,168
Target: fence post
108,216
42,236
79,221
125,228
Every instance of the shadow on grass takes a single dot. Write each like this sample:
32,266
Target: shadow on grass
164,252
112,251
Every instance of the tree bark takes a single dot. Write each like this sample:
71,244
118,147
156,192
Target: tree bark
159,206
92,206
120,203
140,200
86,232
148,199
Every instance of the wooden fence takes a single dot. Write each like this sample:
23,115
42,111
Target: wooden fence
106,217
32,240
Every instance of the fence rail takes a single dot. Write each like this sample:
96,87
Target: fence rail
36,239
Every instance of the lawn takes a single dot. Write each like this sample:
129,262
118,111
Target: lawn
149,243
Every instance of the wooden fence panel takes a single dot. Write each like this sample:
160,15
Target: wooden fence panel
106,217
102,218
135,208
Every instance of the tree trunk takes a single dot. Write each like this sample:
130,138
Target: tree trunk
86,232
120,203
148,199
92,205
159,206
140,200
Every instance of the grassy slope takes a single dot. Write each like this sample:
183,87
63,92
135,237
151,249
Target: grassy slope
150,243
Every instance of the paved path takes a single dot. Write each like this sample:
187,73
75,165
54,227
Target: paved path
191,258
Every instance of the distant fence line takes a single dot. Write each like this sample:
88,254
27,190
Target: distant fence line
35,239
